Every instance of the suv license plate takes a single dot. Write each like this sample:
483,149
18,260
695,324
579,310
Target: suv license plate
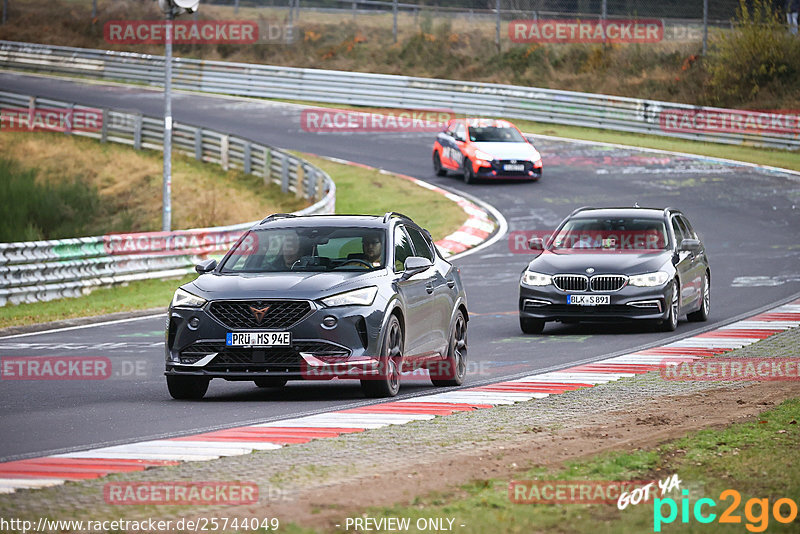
258,339
588,300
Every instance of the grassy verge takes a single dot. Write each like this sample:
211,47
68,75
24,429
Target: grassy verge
366,191
358,190
140,295
757,459
762,156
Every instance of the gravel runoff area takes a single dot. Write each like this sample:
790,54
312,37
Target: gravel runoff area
289,476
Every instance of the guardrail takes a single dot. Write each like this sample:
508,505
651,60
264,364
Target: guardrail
44,270
542,105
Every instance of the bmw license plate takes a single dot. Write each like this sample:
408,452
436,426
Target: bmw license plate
258,339
513,167
588,300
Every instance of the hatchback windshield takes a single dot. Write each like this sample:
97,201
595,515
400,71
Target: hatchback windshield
493,134
611,234
307,249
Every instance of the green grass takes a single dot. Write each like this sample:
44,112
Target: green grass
366,191
139,295
757,459
358,190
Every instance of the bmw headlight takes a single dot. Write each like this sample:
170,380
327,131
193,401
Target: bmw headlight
649,279
186,299
531,278
359,297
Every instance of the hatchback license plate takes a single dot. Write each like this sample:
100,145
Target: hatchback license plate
588,300
512,167
258,339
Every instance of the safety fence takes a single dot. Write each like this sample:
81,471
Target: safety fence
770,129
44,270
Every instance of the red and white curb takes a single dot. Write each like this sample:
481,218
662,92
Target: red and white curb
95,463
477,229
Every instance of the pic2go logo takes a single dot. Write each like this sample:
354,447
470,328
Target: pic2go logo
756,511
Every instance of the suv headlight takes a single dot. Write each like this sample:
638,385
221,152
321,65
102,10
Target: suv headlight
186,299
358,297
649,279
531,278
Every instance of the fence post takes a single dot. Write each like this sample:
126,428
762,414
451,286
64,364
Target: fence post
497,28
198,144
285,173
267,166
137,131
104,129
705,26
394,20
224,145
247,160
70,117
299,186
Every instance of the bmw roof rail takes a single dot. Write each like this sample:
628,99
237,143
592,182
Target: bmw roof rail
389,214
278,216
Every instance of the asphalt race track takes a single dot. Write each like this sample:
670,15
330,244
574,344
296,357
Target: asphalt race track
749,219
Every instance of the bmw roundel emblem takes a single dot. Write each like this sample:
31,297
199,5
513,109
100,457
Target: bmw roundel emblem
590,270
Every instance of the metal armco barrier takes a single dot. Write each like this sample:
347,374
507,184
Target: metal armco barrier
542,105
44,270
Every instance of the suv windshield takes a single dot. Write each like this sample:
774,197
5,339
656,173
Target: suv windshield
307,249
611,234
494,134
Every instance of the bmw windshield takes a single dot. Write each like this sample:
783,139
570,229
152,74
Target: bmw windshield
321,249
611,234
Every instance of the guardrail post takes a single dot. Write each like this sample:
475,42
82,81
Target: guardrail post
267,165
104,129
198,144
285,174
224,143
299,186
70,118
31,111
137,131
247,160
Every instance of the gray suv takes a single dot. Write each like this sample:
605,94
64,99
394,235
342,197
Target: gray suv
318,297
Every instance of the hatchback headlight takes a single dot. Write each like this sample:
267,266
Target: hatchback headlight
481,155
358,297
531,278
185,299
649,279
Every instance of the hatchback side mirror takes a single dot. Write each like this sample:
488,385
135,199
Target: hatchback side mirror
536,243
205,266
415,265
690,245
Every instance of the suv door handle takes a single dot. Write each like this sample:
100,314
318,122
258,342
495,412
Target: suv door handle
451,284
429,287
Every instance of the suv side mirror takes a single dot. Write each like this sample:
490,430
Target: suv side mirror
690,245
415,265
536,243
458,137
205,266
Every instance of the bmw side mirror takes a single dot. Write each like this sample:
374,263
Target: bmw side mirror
415,265
205,266
536,243
690,245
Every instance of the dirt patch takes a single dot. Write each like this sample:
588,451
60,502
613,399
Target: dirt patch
642,426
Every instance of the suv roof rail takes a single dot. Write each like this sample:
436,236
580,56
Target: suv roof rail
278,216
582,208
389,214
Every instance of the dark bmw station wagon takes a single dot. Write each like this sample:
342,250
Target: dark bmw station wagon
617,264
